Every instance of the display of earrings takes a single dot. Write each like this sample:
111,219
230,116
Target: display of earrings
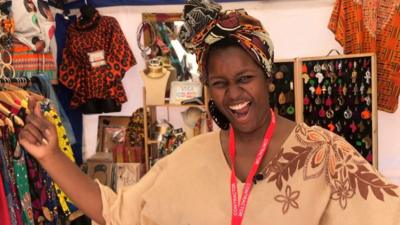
282,89
338,96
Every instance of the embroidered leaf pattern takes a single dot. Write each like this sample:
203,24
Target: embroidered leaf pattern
321,152
293,162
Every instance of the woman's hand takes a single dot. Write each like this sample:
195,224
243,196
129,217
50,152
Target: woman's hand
39,136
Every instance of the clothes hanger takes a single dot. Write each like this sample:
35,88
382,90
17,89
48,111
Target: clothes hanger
17,93
9,115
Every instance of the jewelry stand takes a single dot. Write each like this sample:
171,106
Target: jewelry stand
155,81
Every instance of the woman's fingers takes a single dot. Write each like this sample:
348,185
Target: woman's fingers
34,134
33,101
26,137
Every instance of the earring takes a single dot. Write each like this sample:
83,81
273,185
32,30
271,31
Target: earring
217,116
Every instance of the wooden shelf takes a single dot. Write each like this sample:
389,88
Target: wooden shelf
149,143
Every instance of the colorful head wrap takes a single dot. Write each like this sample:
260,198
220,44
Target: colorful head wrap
205,24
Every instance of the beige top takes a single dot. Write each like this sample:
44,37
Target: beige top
318,178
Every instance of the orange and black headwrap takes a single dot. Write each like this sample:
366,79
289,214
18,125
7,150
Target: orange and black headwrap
205,24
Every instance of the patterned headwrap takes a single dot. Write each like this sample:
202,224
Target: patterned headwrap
205,24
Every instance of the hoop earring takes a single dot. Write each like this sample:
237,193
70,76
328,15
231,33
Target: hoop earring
217,116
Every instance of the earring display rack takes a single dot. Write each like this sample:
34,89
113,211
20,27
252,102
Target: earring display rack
281,89
339,93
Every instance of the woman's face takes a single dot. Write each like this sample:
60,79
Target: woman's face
238,86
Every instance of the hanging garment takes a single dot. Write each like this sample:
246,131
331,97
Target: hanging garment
5,215
372,26
95,59
34,24
41,84
64,94
28,63
9,173
21,176
66,204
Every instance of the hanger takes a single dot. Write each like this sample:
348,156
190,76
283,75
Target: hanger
9,115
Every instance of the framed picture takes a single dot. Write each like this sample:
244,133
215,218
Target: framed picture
111,131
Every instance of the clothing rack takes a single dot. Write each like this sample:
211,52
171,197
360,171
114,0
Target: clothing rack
22,82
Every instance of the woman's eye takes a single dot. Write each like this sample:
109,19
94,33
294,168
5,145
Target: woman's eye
218,84
245,79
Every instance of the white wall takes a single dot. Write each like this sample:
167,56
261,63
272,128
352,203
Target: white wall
297,28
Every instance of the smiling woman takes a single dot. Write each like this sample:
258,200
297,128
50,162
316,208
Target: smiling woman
286,173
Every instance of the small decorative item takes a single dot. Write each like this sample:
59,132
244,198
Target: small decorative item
184,90
337,95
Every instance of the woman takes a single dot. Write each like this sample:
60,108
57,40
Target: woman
307,176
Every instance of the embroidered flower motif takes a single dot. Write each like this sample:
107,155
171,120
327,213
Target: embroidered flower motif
342,192
321,152
289,199
346,166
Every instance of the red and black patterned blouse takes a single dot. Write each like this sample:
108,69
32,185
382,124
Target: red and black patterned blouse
95,59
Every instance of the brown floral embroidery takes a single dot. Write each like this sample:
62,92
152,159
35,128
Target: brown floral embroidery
324,153
288,199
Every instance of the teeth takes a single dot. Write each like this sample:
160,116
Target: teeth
239,106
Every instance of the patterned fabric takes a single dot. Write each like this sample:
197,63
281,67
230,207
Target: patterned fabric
63,142
95,59
23,184
205,24
11,183
5,214
28,63
316,175
372,26
33,22
44,201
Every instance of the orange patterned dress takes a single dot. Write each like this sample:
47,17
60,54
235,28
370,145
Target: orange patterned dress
362,26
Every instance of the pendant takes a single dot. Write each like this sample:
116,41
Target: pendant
318,91
330,113
305,77
320,77
271,87
282,98
306,100
317,68
304,68
361,126
318,101
290,110
367,77
366,114
338,126
353,127
331,127
354,76
347,113
367,142
279,75
312,90
322,113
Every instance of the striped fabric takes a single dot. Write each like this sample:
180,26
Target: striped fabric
29,63
372,26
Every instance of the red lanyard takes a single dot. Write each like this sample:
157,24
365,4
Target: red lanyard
238,210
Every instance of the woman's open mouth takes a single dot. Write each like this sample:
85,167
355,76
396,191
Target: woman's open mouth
240,110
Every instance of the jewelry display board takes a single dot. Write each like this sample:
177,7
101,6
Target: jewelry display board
282,96
339,93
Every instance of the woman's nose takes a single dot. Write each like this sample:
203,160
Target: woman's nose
234,92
